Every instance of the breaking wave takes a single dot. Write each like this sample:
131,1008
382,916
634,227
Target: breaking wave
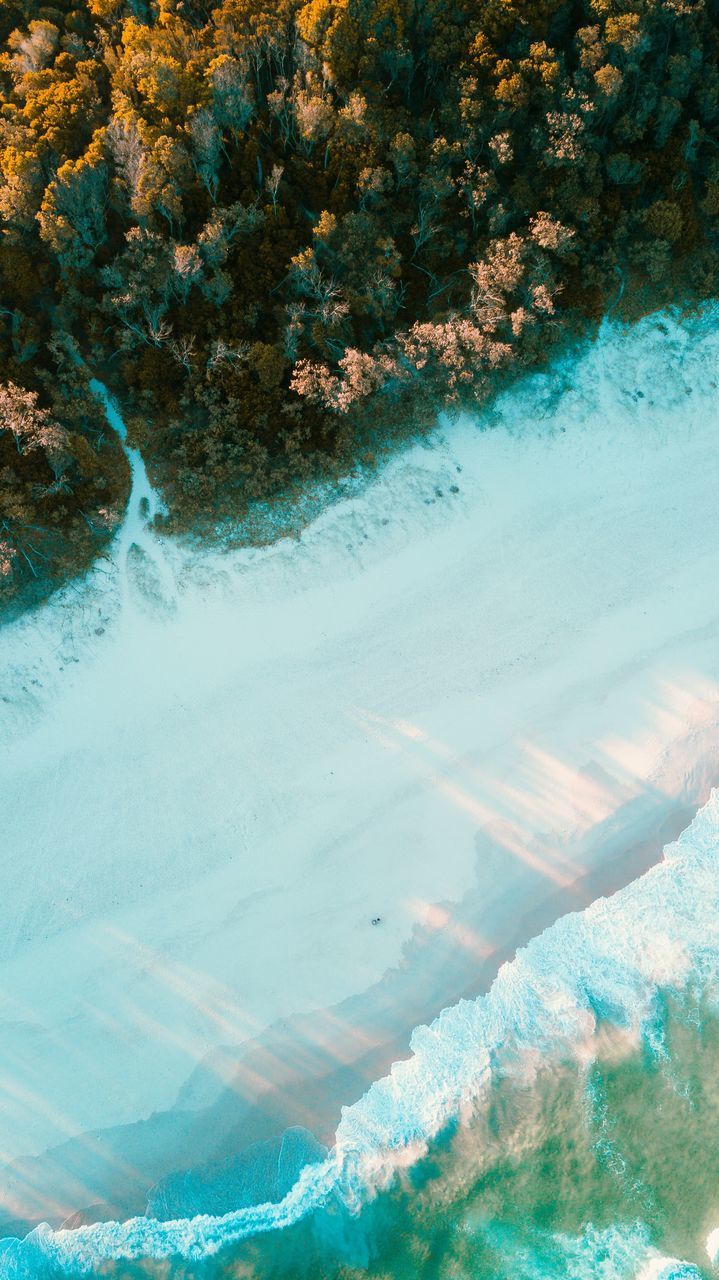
611,964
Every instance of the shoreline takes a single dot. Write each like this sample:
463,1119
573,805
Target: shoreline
303,1072
380,720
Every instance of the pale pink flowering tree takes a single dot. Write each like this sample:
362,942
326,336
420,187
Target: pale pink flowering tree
32,427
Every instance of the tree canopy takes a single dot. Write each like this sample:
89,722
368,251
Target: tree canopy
274,224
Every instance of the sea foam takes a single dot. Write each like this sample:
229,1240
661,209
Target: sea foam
608,963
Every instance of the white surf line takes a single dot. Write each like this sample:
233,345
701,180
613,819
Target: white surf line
607,963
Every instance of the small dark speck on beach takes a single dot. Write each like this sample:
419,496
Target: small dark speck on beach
99,631
458,468
438,493
454,488
376,919
385,520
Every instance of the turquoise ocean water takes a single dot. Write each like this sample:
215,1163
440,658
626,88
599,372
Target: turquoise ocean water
564,1125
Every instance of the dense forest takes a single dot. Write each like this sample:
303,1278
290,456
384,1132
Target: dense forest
279,229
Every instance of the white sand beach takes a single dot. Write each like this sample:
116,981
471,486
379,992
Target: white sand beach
474,694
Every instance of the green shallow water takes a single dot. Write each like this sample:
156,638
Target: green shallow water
601,1170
